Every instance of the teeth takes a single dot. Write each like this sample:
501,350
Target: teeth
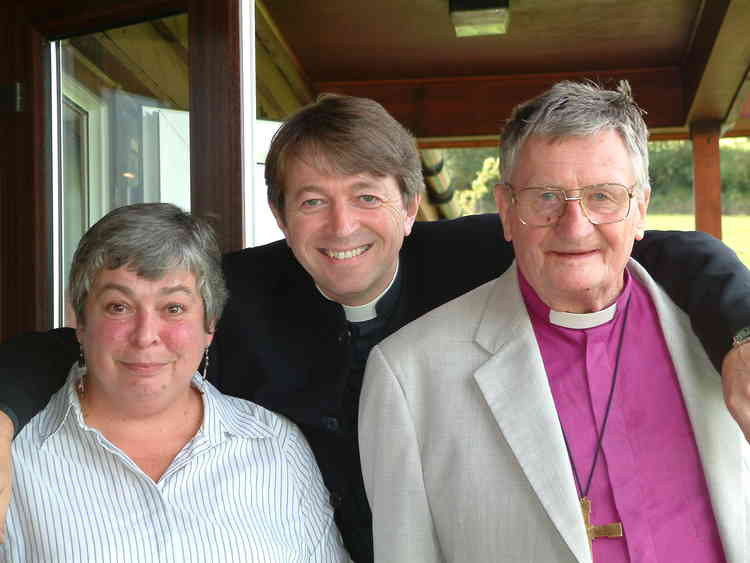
344,254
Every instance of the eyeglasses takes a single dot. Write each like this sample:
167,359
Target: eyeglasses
601,203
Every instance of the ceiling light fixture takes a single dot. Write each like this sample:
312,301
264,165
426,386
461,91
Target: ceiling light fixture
480,17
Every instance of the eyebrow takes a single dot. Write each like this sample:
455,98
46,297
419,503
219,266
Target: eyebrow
358,186
179,288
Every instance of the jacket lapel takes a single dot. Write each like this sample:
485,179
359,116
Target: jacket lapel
514,384
721,445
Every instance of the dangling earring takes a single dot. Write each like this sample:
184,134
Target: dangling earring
81,363
205,365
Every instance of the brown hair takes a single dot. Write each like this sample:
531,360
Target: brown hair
344,135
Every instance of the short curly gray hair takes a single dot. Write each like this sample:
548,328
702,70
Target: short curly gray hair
570,109
151,239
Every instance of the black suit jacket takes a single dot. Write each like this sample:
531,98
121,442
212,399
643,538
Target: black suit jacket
281,344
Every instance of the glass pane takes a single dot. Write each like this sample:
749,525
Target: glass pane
124,131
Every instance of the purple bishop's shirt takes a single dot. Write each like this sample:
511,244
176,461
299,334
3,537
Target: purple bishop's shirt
649,475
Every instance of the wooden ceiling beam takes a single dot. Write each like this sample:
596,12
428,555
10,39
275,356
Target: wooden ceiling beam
281,78
478,106
716,66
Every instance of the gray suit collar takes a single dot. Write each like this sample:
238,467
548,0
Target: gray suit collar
515,387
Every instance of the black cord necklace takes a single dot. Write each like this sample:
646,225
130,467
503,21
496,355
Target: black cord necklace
608,530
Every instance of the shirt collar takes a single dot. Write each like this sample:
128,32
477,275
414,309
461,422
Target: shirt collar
368,311
63,404
222,415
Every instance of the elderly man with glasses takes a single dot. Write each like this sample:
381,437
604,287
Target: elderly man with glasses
564,411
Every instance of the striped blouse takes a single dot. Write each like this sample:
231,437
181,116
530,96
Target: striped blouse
246,488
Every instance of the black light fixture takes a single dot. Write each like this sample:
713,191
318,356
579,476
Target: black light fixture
480,17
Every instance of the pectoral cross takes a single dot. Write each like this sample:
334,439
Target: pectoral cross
613,530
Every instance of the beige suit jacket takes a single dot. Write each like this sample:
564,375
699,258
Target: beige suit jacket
462,453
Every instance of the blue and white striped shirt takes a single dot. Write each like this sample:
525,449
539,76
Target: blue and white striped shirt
246,488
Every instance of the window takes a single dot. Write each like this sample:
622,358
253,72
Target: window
122,106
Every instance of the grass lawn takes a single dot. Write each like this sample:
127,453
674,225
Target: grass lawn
735,230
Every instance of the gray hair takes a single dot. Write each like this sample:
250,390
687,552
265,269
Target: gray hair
344,135
151,239
571,109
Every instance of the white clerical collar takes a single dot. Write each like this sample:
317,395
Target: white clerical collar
366,312
583,320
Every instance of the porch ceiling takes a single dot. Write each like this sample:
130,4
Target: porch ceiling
687,60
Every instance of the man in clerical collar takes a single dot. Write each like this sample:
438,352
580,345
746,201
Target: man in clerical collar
345,209
565,410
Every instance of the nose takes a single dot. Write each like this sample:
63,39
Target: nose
573,222
145,329
342,219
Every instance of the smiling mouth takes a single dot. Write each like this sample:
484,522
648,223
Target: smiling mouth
346,254
574,254
144,367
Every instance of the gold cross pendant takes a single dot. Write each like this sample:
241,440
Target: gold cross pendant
613,530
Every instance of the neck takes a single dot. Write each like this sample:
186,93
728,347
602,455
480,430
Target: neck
586,301
366,311
150,417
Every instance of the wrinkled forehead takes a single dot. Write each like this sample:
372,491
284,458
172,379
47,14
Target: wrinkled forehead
593,158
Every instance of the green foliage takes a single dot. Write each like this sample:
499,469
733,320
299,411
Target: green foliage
671,173
475,171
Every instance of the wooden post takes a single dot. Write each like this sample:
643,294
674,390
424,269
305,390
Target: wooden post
707,176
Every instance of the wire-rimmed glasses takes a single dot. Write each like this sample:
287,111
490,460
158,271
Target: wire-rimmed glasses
601,203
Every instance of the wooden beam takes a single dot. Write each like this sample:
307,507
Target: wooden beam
707,176
717,64
480,105
159,64
57,20
740,106
25,207
279,73
279,100
215,124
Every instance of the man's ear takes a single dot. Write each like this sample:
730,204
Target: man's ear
642,208
502,199
412,208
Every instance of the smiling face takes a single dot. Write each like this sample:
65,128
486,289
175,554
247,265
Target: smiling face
346,231
573,266
143,339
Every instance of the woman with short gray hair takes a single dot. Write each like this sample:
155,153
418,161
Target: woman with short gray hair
138,457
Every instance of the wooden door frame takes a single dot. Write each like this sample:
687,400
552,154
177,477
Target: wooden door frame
215,133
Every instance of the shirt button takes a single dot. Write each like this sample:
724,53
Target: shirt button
331,423
336,500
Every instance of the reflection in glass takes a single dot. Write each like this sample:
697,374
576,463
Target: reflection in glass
124,124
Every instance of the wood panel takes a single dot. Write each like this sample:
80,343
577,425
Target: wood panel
25,219
479,106
57,20
25,212
215,118
707,176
